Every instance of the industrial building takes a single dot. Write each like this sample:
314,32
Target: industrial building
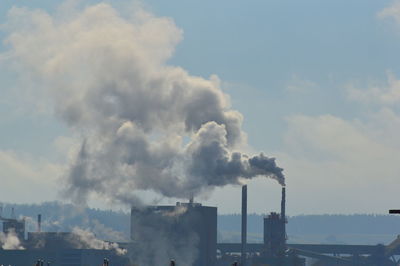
53,248
183,226
12,224
60,257
276,251
186,234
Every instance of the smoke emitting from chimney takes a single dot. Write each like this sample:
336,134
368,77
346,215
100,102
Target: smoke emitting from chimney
145,125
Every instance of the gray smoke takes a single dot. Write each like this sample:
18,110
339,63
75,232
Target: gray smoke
144,124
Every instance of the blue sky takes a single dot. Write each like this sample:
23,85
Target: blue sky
311,78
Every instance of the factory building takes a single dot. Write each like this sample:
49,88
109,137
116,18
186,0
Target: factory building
186,235
60,257
57,248
186,228
53,248
275,231
13,225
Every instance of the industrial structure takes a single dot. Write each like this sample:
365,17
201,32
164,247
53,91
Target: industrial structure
180,227
13,225
276,251
183,228
50,248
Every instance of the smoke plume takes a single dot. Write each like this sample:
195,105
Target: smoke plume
144,124
10,241
85,239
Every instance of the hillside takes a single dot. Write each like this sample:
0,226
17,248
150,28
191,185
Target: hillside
114,225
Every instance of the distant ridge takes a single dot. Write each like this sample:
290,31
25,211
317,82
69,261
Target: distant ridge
114,225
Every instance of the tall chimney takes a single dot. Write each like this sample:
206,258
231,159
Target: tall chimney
283,204
283,218
244,225
39,223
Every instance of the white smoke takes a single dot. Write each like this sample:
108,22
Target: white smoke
85,239
10,241
145,125
176,212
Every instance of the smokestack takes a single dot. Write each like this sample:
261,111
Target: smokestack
283,217
39,223
12,213
283,204
244,225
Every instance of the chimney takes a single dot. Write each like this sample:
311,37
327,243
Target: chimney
283,218
244,225
39,223
283,204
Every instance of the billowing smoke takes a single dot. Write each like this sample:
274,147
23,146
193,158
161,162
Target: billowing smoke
10,240
144,124
85,239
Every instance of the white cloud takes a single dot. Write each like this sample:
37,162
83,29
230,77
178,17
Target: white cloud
24,178
297,84
388,94
393,12
335,165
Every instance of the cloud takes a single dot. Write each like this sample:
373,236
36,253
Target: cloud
296,84
24,177
339,164
392,12
144,124
388,94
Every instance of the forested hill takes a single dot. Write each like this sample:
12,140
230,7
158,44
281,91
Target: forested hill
319,224
329,229
114,225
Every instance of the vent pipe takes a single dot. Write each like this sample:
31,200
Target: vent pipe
244,225
39,223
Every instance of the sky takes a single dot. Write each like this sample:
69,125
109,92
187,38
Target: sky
318,85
